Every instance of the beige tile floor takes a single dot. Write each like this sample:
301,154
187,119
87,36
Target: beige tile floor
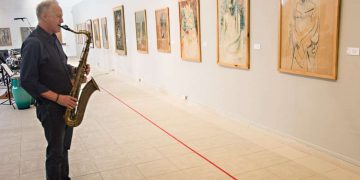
115,143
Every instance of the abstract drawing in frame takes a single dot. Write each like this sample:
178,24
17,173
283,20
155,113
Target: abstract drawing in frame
309,37
233,33
89,29
163,30
190,41
25,32
141,31
96,33
104,33
5,37
119,25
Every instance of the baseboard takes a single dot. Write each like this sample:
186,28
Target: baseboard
319,151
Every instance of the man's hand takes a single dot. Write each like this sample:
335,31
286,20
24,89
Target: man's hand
87,69
67,101
83,79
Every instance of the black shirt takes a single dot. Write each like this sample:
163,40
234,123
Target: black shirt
44,66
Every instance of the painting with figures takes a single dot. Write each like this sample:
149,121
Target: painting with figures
309,37
163,30
104,32
25,32
141,31
96,33
88,27
233,33
5,37
119,29
190,41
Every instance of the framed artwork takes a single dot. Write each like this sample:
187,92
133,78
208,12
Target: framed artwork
59,36
141,31
82,27
163,30
233,33
309,37
5,37
119,25
77,28
190,41
82,38
25,32
89,26
104,33
77,36
96,33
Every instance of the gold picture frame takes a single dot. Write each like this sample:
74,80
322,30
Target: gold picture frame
163,30
5,37
119,29
104,33
141,31
96,29
233,33
89,28
308,39
190,37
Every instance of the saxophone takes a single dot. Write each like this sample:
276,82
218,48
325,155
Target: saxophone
71,117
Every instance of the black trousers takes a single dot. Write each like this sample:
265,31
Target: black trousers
58,137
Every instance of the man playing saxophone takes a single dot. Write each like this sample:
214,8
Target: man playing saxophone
46,76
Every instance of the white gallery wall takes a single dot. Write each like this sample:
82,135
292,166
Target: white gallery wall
10,9
322,113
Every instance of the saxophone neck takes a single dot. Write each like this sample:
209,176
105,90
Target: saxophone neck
87,33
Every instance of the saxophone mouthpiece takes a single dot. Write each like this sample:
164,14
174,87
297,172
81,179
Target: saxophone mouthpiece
64,27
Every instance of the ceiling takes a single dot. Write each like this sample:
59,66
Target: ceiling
69,3
30,4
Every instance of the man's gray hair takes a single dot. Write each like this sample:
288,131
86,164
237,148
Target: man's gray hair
44,6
